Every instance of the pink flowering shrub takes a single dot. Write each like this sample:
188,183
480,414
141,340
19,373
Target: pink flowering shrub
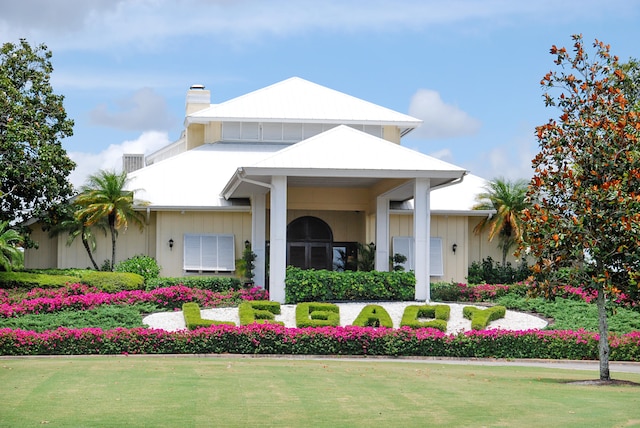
81,297
349,340
460,292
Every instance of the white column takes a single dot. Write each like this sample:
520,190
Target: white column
278,238
421,234
382,234
258,237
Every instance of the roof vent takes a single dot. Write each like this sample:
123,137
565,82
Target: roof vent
197,87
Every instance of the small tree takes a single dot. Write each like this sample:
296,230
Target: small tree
10,255
507,198
77,227
104,198
586,187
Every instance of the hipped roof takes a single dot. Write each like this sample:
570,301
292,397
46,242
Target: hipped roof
296,100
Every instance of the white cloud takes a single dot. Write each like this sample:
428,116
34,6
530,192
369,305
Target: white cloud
443,154
511,161
144,24
440,120
111,158
144,109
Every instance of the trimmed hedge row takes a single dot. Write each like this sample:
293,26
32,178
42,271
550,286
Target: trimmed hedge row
259,311
211,283
276,339
193,318
373,316
313,314
325,286
441,314
106,281
480,318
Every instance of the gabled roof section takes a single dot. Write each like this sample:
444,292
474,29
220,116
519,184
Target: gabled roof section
343,153
297,100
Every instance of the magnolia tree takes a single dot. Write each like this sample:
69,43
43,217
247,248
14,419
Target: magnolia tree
584,224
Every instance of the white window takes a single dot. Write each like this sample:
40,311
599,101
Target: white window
404,245
209,253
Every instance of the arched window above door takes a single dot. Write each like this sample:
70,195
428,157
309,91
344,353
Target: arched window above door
309,228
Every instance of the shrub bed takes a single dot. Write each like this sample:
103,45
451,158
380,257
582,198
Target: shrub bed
259,311
106,281
373,316
325,286
43,301
193,318
211,283
313,314
480,318
440,313
459,292
276,339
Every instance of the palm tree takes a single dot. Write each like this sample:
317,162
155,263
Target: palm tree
507,198
10,254
76,226
104,197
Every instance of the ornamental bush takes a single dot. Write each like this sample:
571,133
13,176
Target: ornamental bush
440,313
349,340
193,318
211,283
373,316
313,314
303,285
145,266
106,281
259,311
480,318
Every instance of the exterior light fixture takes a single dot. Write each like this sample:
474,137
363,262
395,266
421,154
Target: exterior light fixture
171,244
454,247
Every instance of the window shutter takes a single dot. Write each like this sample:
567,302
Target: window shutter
226,253
191,252
404,245
209,252
435,257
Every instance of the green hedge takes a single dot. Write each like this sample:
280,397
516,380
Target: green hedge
480,318
324,286
212,283
373,316
193,318
275,339
439,312
106,281
313,314
259,311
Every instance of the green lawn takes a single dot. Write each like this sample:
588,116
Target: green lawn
254,392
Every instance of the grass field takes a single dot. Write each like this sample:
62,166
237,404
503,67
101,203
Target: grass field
261,392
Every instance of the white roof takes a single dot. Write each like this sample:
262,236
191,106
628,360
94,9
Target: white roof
298,100
457,199
346,157
342,156
194,179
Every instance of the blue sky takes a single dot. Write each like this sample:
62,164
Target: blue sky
470,69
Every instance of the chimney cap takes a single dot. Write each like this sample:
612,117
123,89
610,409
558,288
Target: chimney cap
197,86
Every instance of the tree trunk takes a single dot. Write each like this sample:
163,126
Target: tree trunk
603,342
88,249
112,228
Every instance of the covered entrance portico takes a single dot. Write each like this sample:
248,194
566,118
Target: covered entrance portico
350,171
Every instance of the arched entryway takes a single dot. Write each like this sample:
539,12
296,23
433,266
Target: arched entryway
309,243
